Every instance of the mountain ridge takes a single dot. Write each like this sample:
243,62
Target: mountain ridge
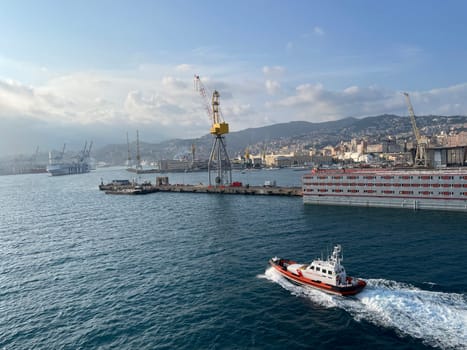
273,136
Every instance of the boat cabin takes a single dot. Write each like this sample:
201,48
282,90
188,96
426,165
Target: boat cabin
329,271
326,272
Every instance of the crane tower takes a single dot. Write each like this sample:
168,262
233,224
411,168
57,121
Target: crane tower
128,162
138,154
421,158
219,161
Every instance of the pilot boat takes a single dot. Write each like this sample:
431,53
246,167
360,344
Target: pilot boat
327,275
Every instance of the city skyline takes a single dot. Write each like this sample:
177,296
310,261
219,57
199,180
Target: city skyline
94,70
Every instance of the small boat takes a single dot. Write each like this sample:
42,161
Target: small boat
326,275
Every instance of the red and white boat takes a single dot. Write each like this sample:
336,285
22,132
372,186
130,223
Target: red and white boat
326,275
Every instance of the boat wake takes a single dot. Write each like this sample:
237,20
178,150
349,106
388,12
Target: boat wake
438,319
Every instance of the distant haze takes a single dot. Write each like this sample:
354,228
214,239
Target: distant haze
24,135
94,70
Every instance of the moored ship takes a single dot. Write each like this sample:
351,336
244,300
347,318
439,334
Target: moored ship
59,169
444,189
79,164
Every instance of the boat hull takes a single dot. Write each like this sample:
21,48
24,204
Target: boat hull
387,202
442,189
302,281
67,169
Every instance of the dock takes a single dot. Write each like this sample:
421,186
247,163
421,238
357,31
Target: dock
140,189
245,190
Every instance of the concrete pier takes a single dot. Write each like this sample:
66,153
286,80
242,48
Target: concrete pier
244,190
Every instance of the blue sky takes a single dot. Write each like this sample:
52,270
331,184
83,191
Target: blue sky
75,70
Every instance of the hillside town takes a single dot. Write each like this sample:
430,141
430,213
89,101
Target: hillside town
391,144
443,150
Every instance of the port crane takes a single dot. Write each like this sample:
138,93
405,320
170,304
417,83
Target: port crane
85,154
421,157
219,160
129,153
193,152
57,158
88,151
138,154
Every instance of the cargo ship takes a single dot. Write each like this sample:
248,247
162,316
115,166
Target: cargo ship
59,169
444,189
79,164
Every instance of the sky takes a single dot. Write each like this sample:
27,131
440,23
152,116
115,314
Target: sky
72,71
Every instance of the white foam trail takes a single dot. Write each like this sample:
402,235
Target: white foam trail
438,319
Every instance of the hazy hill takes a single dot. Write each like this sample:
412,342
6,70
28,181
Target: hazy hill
273,136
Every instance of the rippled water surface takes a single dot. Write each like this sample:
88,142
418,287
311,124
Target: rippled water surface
83,270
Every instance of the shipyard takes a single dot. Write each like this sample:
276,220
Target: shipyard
419,174
233,175
424,185
125,187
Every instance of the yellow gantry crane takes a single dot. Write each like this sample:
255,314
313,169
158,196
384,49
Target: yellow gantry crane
219,160
421,158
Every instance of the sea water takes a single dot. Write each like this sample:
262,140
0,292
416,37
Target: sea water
80,269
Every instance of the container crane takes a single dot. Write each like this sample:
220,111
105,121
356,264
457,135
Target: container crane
219,160
85,154
421,158
88,151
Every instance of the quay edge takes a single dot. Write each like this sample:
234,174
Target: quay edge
432,189
231,190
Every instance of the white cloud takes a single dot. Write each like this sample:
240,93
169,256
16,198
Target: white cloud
18,99
184,67
174,83
274,70
236,110
169,100
313,102
447,101
318,31
102,97
26,72
272,87
352,90
161,98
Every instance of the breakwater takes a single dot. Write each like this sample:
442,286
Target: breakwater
146,188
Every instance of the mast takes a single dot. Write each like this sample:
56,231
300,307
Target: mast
129,153
138,155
